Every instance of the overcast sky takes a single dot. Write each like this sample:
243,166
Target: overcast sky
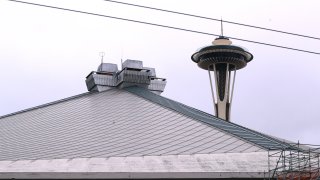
46,54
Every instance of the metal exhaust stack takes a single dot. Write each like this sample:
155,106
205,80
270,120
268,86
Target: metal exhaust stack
223,59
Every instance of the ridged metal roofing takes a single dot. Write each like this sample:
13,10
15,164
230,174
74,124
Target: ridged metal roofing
113,123
257,138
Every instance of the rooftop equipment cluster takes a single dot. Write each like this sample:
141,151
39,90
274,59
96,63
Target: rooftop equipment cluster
132,74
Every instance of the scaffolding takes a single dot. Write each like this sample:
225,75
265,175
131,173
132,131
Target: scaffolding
294,162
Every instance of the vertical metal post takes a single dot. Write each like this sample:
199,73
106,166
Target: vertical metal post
228,78
310,164
227,93
102,55
216,80
299,170
212,92
318,173
268,163
290,162
284,164
232,88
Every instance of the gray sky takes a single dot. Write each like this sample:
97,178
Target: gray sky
46,54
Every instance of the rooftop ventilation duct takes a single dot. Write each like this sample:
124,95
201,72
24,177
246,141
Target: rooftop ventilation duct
132,74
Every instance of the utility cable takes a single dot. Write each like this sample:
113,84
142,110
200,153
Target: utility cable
164,26
213,19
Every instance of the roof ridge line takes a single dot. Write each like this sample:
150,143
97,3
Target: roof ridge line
45,105
133,89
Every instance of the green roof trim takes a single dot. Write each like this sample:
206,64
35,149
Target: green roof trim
252,136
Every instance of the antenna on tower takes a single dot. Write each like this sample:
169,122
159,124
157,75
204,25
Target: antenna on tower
101,54
121,57
221,27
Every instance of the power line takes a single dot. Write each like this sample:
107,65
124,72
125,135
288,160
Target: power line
213,19
164,26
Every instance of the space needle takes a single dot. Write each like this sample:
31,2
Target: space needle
222,60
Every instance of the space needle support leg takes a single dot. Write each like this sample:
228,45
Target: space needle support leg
232,88
216,80
226,99
212,92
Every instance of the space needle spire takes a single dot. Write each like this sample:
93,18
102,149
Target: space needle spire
222,60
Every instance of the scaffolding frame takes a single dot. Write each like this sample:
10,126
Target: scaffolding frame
295,162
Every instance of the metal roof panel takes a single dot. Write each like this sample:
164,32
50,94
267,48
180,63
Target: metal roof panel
130,122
